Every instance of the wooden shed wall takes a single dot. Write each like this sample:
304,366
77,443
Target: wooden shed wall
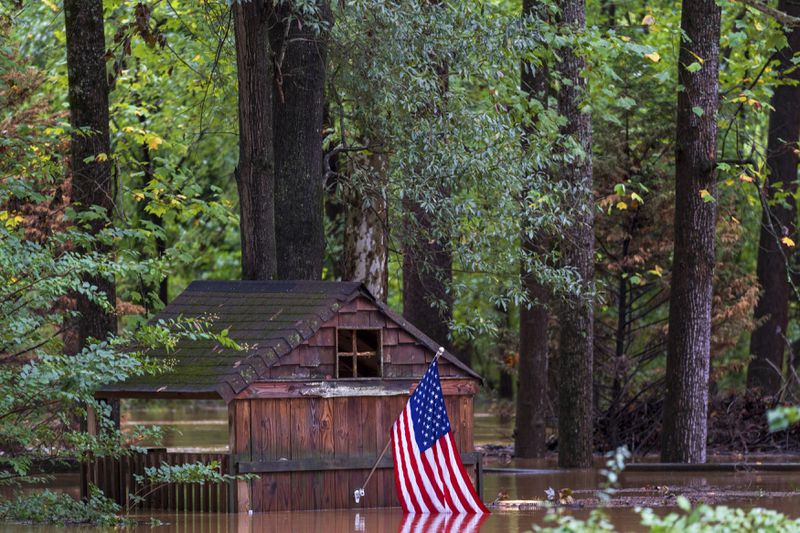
354,427
403,356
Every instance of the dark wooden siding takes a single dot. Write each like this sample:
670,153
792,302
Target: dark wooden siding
403,355
337,430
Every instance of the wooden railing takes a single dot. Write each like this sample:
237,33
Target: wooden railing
115,477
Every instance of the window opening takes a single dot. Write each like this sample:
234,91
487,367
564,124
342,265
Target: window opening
358,353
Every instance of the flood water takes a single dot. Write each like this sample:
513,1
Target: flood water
191,426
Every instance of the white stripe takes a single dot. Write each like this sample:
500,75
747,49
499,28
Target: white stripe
417,458
399,466
430,457
466,486
407,463
440,458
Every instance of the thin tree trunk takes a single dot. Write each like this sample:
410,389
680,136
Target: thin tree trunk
768,341
298,103
92,185
366,249
255,173
427,273
688,347
530,433
577,316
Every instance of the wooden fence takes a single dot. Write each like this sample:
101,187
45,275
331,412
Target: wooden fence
115,477
313,483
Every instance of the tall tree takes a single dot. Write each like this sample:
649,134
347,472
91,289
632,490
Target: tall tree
90,146
427,273
768,341
428,261
529,436
577,314
366,246
688,347
255,173
299,45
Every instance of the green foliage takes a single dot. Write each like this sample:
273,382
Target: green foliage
48,507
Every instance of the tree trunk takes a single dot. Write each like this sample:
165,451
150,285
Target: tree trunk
91,176
768,341
298,104
530,433
688,347
577,314
366,250
427,273
255,173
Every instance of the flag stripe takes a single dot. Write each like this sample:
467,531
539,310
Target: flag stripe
466,485
400,481
411,480
423,471
420,482
449,476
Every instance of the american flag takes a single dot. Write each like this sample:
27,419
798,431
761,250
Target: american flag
428,473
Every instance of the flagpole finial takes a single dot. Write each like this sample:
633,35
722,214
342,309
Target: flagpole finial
439,353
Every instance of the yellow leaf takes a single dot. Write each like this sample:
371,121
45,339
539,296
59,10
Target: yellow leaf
656,271
622,206
101,157
154,141
745,178
706,196
788,242
648,20
735,220
653,56
625,38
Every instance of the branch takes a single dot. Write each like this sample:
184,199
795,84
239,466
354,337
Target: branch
777,14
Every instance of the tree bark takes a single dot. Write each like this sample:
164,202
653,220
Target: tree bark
255,173
577,315
92,185
366,248
768,341
298,106
688,348
530,433
427,273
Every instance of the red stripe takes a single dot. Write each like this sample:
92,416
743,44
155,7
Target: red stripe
443,444
406,475
414,466
448,497
436,488
453,480
465,477
396,446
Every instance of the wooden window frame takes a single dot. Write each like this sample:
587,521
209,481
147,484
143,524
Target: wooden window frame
355,353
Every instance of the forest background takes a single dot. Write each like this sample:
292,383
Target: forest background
502,173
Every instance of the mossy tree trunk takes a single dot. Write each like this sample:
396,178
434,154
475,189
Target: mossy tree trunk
576,356
90,158
530,433
255,173
768,341
299,48
689,343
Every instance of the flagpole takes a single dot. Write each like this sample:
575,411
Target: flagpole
359,492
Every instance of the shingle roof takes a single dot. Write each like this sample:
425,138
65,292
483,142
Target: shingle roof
270,317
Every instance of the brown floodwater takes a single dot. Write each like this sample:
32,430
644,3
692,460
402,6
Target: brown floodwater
203,425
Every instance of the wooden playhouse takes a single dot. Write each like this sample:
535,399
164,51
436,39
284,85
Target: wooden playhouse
310,403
